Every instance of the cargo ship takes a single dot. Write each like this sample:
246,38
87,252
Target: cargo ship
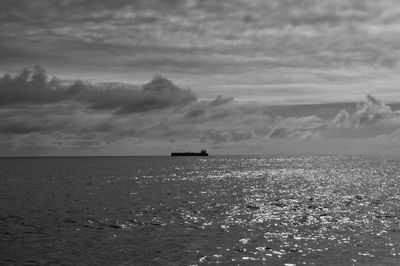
201,153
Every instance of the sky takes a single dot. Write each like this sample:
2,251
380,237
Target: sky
147,77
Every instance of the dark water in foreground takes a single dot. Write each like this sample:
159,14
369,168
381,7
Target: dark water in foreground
318,210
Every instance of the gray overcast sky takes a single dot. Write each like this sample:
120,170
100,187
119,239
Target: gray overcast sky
336,49
282,52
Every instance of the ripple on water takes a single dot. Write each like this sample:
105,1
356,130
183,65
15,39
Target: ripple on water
241,210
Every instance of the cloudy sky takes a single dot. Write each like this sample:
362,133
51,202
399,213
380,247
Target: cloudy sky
96,77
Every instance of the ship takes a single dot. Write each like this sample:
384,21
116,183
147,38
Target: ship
201,153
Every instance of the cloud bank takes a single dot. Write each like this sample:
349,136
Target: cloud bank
33,87
45,116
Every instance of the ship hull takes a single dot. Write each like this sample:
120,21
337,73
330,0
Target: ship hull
188,154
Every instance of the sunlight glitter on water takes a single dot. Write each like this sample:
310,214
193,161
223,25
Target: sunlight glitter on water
240,210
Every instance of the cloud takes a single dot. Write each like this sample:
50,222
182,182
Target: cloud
297,128
51,114
225,137
250,50
225,35
214,136
341,120
195,113
393,137
373,112
220,100
240,135
33,87
370,113
59,140
369,118
159,93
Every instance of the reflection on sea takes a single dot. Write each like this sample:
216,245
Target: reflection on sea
246,210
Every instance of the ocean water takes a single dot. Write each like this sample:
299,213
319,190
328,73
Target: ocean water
239,210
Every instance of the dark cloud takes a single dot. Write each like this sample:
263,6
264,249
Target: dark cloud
214,136
204,111
157,94
195,113
220,100
33,87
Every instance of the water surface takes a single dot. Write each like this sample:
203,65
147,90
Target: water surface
239,210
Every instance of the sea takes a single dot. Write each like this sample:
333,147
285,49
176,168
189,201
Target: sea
228,210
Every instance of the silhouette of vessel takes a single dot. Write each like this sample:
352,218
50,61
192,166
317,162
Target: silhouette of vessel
202,153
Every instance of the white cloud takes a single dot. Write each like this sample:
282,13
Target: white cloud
371,113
